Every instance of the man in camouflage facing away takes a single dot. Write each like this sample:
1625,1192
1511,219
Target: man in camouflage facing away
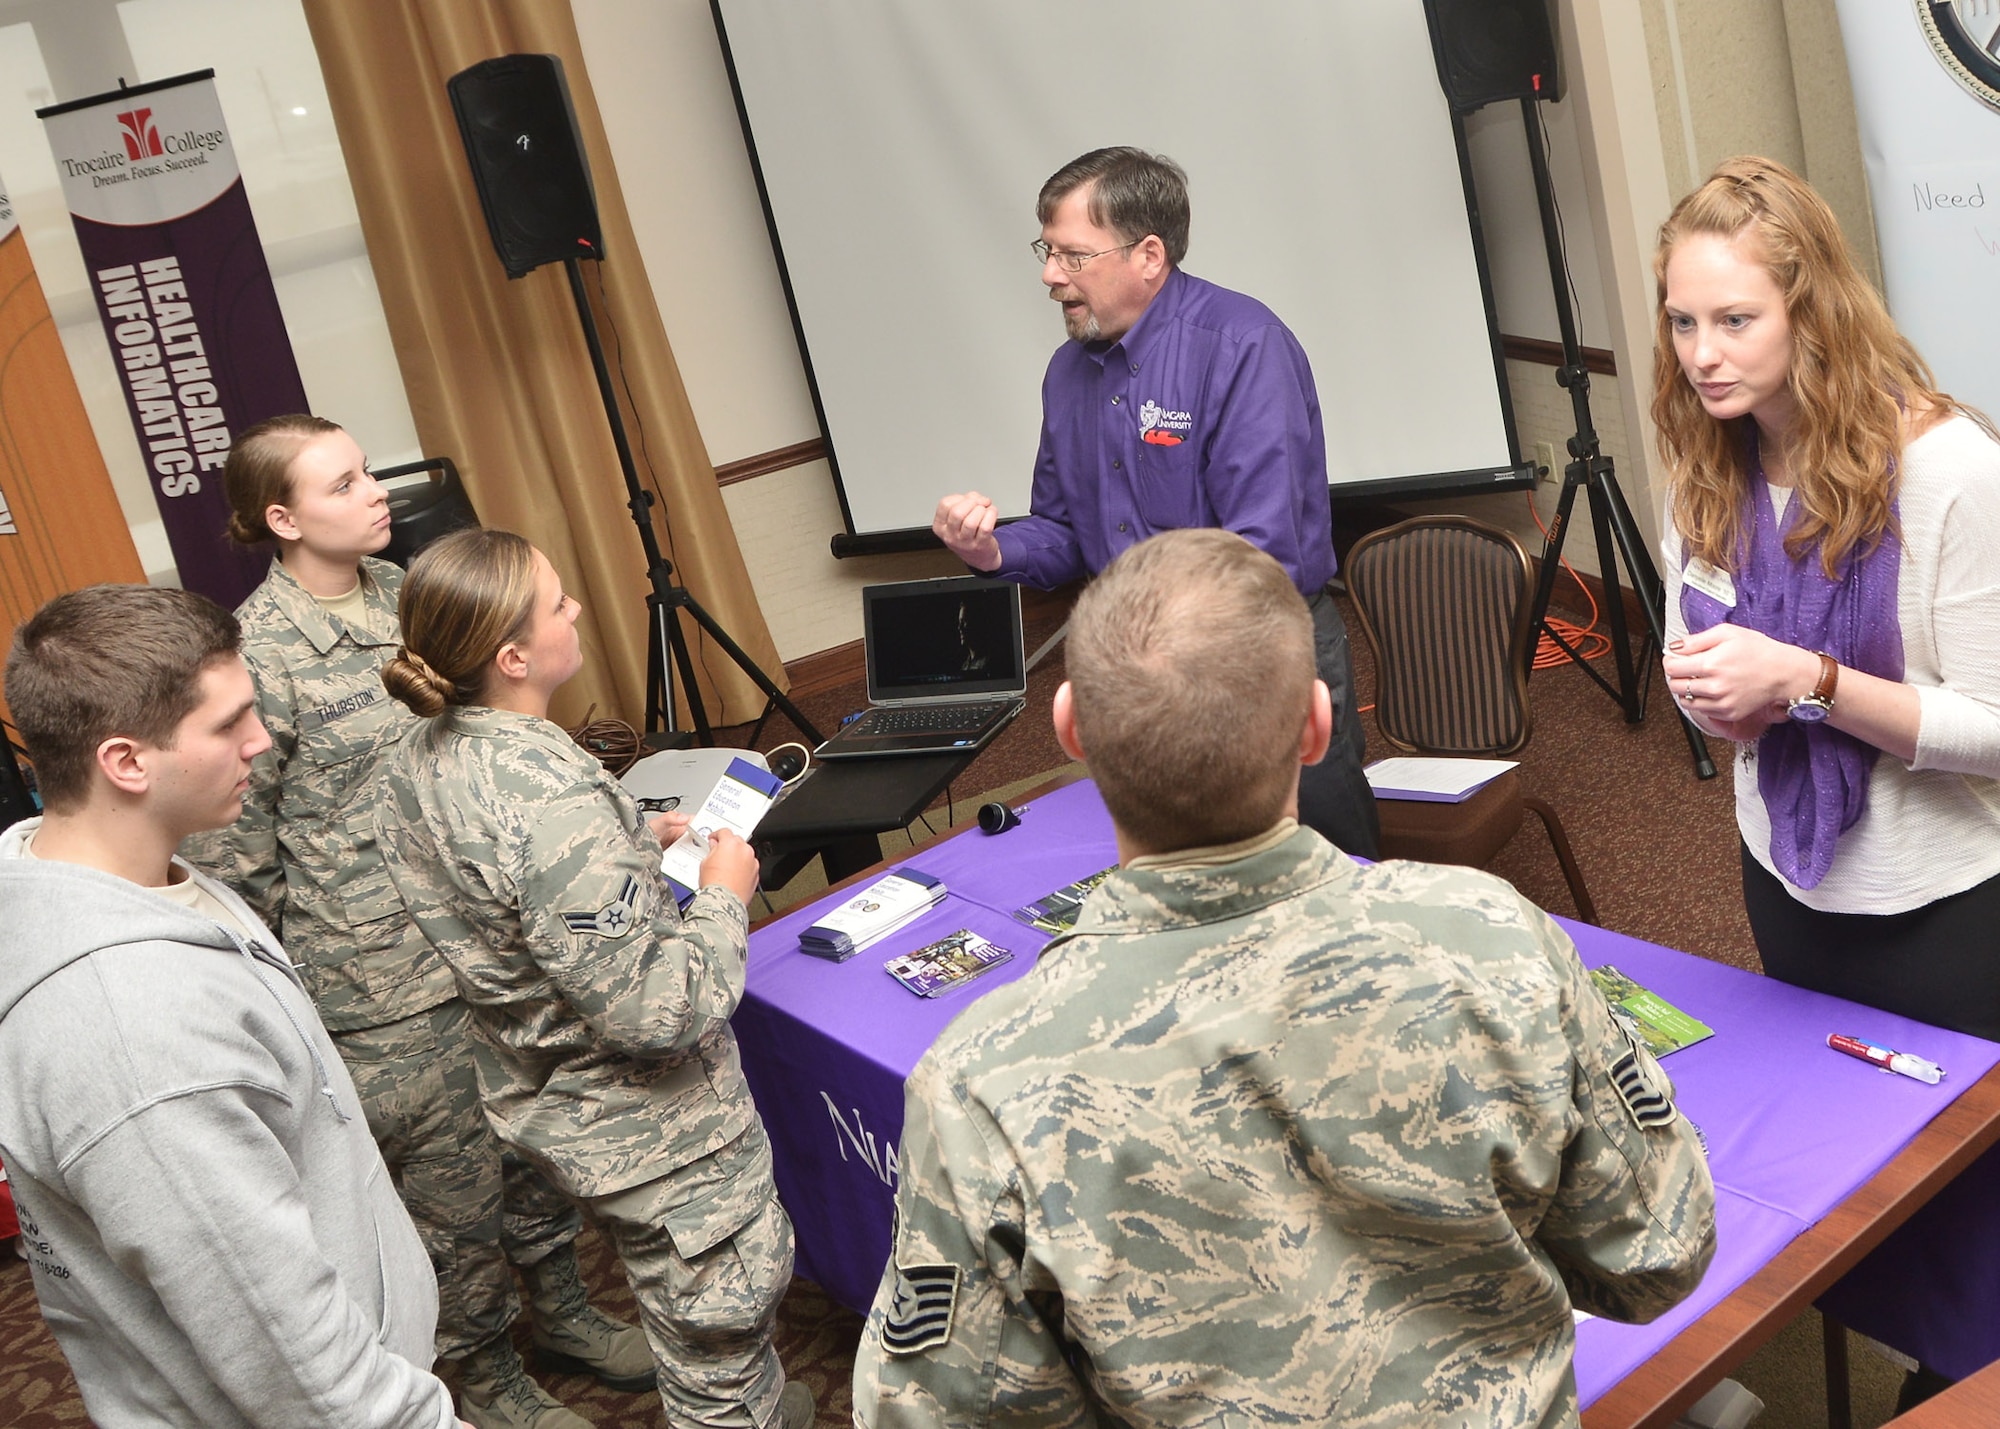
1270,1137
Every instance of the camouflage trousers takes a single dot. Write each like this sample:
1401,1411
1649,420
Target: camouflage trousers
477,1207
708,1250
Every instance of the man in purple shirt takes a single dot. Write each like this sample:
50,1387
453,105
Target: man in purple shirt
1174,404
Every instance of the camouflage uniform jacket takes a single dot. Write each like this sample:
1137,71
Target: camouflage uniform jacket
303,853
601,1016
1273,1138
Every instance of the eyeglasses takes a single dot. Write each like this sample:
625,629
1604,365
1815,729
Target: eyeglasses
1073,262
659,806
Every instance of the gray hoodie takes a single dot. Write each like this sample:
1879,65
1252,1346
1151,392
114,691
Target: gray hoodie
214,1238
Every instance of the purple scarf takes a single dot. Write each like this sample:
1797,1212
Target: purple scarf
1813,779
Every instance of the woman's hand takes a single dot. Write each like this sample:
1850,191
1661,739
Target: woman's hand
668,827
731,863
1737,682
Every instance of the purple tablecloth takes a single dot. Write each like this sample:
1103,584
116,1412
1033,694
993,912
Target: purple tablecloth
1792,1127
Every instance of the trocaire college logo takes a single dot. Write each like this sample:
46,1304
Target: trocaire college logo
1161,428
142,135
1964,36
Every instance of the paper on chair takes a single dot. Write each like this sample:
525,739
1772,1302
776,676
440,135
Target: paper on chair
1435,781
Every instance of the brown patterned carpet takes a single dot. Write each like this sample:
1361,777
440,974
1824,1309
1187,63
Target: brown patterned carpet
1657,847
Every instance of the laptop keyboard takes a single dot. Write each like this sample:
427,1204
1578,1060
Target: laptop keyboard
928,719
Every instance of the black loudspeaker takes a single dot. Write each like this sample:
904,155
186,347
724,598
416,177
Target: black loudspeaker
422,511
1494,49
527,160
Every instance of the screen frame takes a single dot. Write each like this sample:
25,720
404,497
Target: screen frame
873,597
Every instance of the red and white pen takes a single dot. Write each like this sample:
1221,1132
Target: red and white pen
1902,1063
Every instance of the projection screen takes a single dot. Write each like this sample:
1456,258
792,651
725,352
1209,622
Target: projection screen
900,144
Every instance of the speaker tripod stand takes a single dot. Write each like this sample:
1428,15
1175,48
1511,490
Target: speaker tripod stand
666,645
1590,471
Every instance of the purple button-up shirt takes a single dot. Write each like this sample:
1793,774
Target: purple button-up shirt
1204,414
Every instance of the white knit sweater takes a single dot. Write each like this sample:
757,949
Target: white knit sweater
1931,828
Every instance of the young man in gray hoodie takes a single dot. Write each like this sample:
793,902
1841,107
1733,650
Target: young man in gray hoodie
213,1237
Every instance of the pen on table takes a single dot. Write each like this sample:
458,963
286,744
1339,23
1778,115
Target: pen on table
1904,1063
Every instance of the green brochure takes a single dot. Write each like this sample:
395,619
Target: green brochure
1663,1027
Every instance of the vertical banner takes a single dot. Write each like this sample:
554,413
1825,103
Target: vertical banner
60,523
1926,77
186,299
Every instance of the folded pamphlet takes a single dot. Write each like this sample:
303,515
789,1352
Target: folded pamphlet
872,914
1660,1025
737,802
1056,912
937,968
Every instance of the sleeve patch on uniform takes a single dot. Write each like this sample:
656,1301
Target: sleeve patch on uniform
920,1316
1645,1090
614,919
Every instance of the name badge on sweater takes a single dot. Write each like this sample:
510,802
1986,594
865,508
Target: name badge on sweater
1711,581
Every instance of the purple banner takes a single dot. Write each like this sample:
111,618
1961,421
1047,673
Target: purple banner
186,299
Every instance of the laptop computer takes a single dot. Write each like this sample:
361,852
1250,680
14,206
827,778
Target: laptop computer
947,670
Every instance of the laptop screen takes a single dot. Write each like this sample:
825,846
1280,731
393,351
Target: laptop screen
943,638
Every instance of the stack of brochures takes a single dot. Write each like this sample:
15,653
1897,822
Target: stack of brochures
872,914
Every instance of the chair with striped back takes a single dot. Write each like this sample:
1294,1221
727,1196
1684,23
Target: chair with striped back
1445,606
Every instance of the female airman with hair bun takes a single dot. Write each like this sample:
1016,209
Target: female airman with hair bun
606,1053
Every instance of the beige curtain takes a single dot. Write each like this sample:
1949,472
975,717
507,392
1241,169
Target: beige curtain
499,378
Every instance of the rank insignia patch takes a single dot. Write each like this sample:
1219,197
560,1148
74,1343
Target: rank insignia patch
919,1317
1647,1094
614,919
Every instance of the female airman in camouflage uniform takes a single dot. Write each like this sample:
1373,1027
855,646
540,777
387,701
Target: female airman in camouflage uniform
315,635
605,1053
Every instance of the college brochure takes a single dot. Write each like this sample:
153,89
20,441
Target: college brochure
872,914
937,968
1056,912
738,800
1663,1027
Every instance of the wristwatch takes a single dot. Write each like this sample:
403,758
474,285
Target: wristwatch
1812,708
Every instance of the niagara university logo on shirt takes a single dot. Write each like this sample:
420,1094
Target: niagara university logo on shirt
614,919
1964,37
1162,428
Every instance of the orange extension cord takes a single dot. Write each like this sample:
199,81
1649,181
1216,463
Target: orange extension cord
1587,640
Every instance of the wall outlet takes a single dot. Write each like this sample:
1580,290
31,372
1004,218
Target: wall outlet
1545,458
